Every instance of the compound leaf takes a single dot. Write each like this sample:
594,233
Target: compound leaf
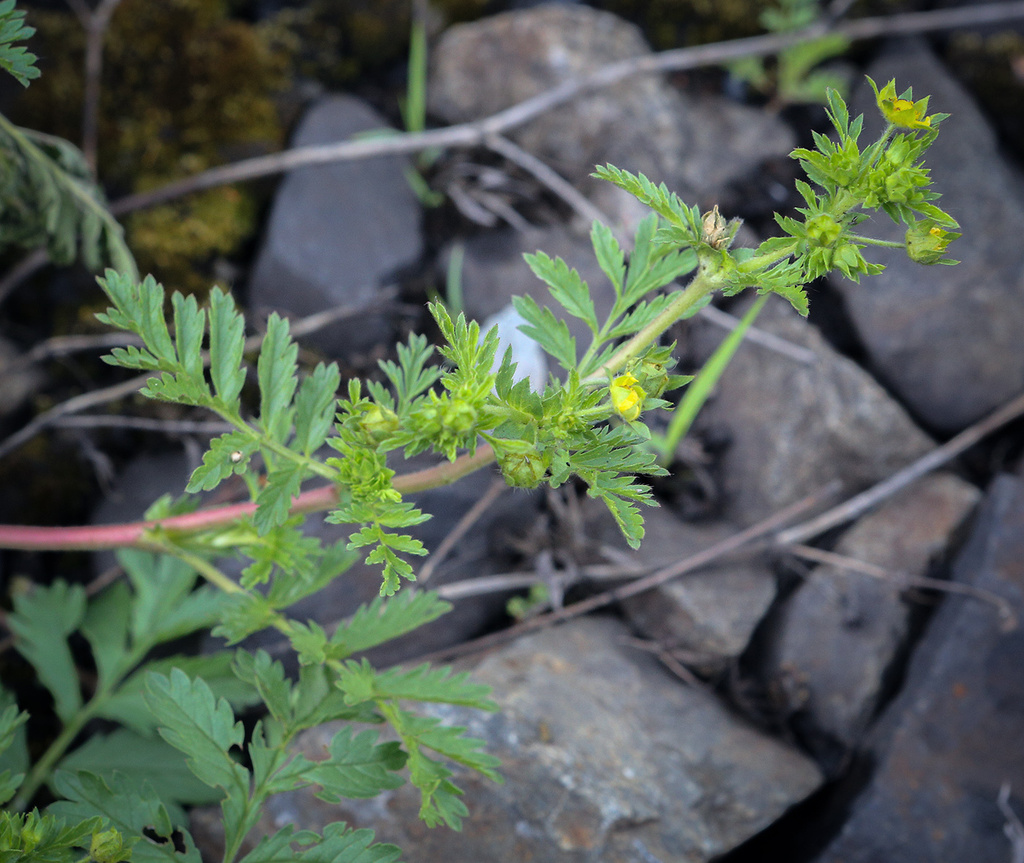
42,621
314,408
227,344
277,372
202,727
357,767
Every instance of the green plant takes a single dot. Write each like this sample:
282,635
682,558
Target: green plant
795,76
587,423
47,192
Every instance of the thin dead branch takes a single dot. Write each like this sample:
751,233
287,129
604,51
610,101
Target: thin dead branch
904,580
861,503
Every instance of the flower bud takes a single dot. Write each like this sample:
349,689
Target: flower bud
652,377
927,241
459,416
823,229
899,111
109,847
379,422
627,396
525,469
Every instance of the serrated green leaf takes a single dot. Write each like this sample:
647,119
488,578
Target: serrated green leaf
411,376
268,678
227,344
105,627
189,328
136,811
30,837
451,742
202,727
16,59
165,605
14,760
339,844
314,408
143,760
566,287
609,255
228,454
274,769
657,197
357,767
153,323
383,620
127,705
242,615
42,621
132,357
274,501
546,330
278,377
177,388
422,683
627,516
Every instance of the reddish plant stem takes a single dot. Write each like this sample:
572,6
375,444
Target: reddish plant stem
137,534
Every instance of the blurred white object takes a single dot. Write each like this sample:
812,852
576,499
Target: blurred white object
526,353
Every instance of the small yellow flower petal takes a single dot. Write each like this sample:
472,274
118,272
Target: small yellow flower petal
627,396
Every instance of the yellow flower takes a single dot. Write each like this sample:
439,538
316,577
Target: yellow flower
901,111
627,396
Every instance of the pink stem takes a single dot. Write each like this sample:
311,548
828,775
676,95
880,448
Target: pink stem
134,534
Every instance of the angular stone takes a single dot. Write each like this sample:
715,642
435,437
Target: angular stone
947,339
338,232
792,427
705,618
953,736
482,67
695,145
605,757
836,643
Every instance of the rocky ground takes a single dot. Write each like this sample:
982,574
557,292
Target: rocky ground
834,704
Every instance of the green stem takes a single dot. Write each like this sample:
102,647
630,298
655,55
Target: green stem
42,769
685,300
871,241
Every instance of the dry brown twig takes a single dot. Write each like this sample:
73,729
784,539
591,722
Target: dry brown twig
95,23
904,580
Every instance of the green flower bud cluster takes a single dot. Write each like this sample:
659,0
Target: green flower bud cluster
363,471
109,846
887,175
449,423
522,464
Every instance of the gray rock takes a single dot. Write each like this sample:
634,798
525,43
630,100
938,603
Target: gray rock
605,758
793,427
727,141
833,649
705,618
338,232
695,145
953,736
482,67
947,339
